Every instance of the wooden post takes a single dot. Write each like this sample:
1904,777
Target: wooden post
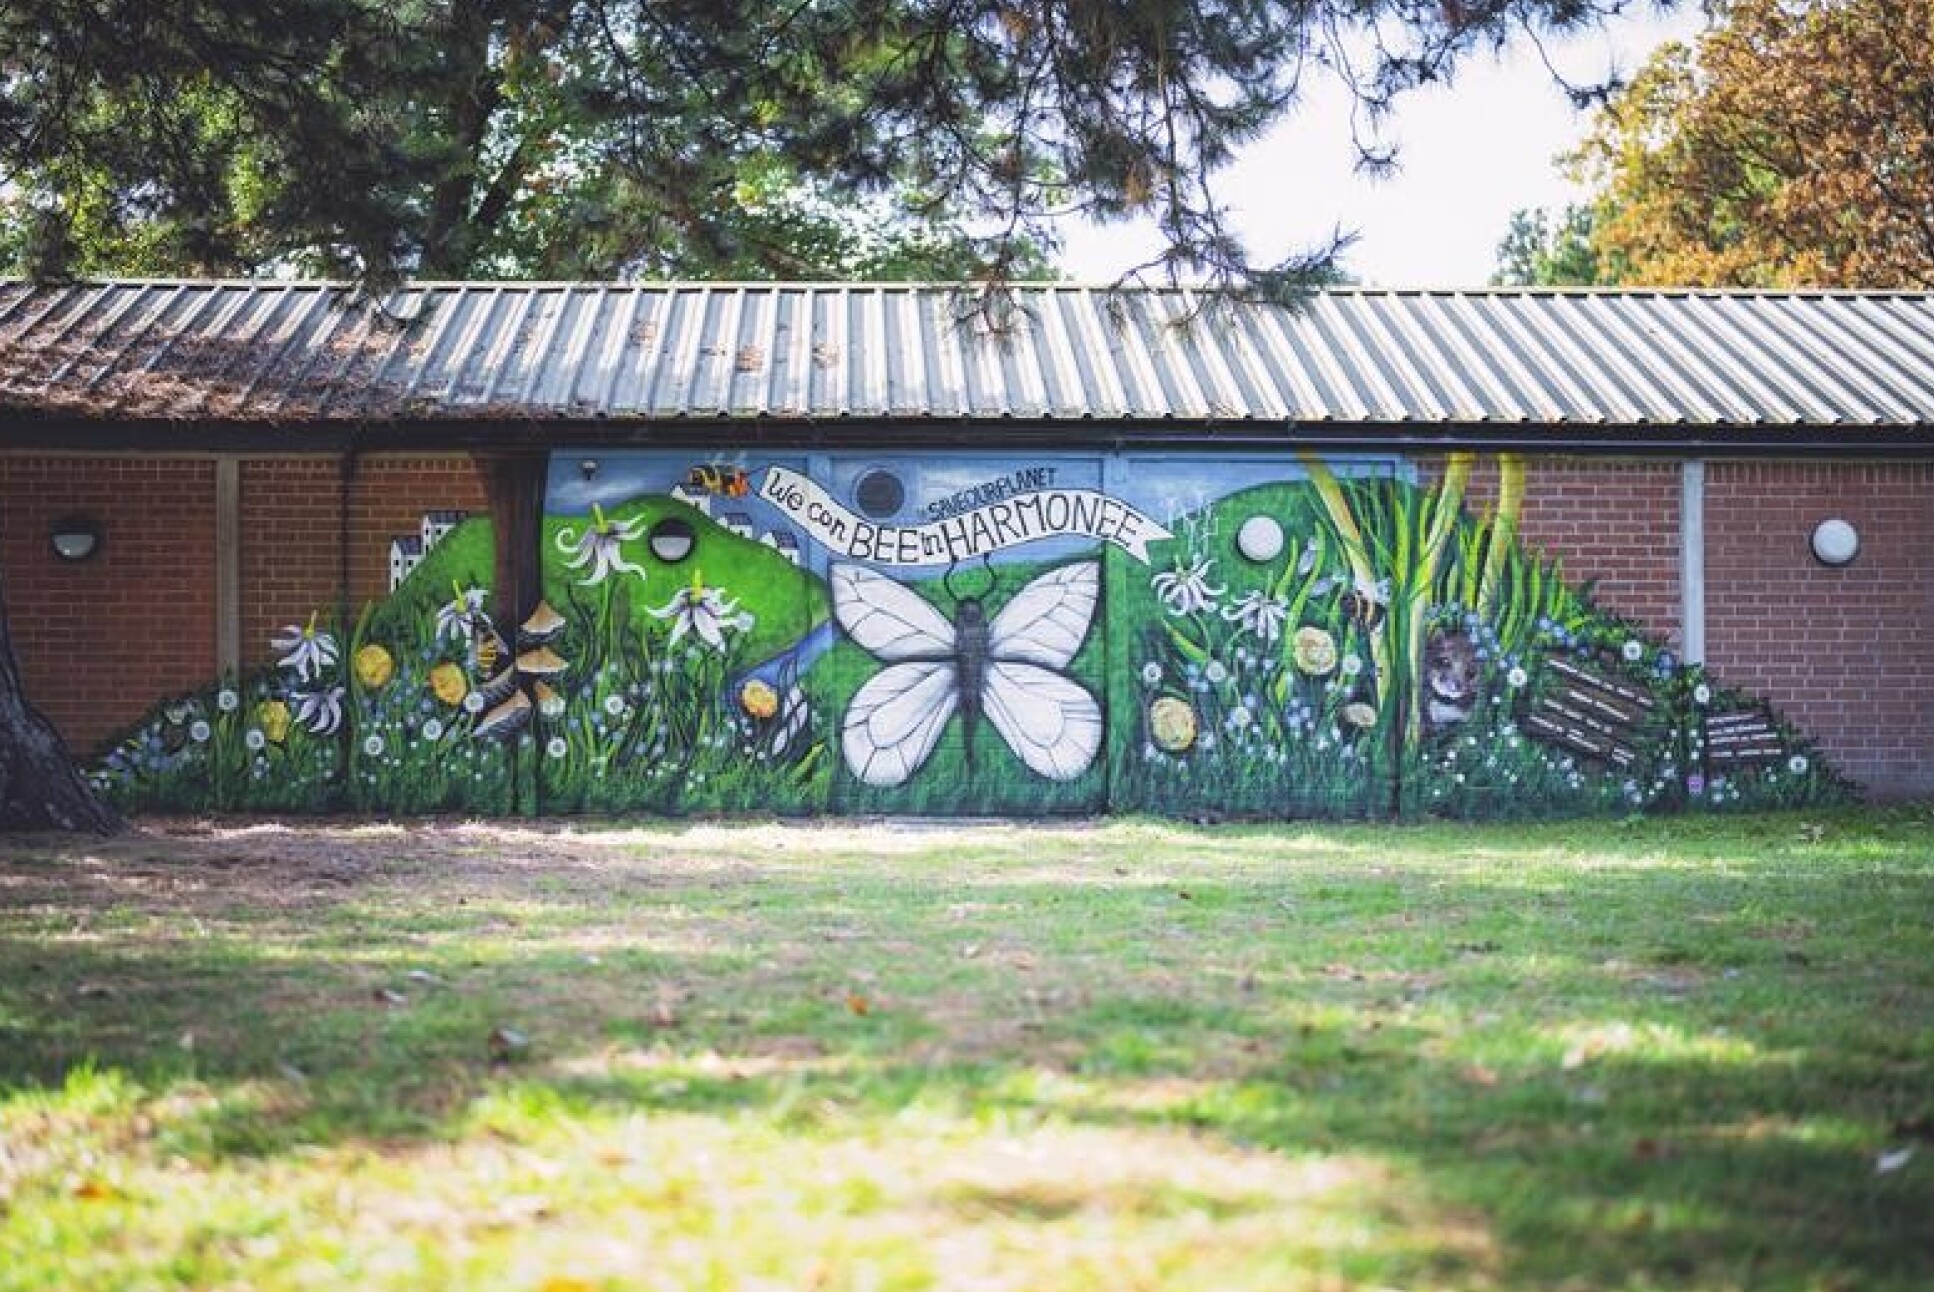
228,566
514,483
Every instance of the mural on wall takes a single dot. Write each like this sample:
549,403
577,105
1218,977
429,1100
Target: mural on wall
966,633
407,707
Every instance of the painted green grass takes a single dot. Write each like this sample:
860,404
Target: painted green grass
1274,739
1669,1054
398,747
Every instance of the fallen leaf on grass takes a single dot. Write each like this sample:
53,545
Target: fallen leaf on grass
1479,1075
559,1283
389,996
858,1004
506,1043
93,1191
1893,1160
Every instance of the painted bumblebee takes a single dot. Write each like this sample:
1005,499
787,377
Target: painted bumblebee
719,478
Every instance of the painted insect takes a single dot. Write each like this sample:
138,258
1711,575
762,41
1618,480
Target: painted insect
720,478
1007,669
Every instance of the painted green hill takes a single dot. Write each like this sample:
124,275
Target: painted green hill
786,600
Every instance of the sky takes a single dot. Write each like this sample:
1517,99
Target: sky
1471,154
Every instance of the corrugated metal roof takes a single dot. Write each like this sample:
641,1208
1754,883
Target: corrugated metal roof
281,351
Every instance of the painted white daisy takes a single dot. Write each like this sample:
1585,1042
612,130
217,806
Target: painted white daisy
433,730
1797,764
459,618
601,546
320,711
1517,677
1351,664
473,702
1151,674
1633,650
705,612
304,649
227,700
1186,589
1215,672
255,739
200,731
614,705
1259,613
373,745
1702,694
556,747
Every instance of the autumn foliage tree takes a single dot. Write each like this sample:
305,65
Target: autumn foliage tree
1793,147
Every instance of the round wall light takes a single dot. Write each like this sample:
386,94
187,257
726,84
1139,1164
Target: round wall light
1260,539
1835,542
75,537
672,540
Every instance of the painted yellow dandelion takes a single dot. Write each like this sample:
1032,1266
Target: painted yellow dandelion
1315,651
758,699
1171,724
1361,715
448,683
374,667
272,716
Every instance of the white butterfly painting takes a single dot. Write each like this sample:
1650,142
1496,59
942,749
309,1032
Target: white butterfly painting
1008,670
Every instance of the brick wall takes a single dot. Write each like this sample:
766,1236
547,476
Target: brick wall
99,641
1847,654
291,547
291,531
1613,522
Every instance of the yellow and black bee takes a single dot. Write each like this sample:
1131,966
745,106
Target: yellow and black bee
719,478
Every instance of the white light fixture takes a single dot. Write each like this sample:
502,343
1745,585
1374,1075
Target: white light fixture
75,537
671,540
1260,539
1835,542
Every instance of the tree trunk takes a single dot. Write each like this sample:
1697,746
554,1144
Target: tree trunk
40,788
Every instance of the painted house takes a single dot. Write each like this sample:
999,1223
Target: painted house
697,499
783,542
405,554
1058,550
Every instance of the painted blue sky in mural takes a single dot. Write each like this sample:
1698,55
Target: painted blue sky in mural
901,491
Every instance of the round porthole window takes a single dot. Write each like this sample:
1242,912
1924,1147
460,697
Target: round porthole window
880,494
672,540
1835,542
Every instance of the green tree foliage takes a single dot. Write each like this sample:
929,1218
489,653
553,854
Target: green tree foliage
1793,147
566,137
1543,250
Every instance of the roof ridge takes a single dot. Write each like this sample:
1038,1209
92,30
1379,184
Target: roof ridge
948,285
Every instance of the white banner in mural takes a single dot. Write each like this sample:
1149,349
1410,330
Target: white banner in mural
980,531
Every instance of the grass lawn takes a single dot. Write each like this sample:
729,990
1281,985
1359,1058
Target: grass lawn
1670,1054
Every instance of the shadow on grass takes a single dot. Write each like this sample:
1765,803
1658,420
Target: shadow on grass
1475,1027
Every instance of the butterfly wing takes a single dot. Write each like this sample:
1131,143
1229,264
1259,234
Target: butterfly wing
896,718
1050,722
891,621
1047,620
